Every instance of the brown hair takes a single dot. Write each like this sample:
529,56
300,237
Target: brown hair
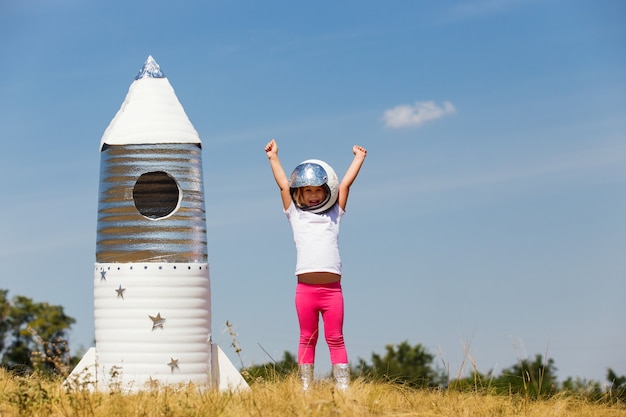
297,196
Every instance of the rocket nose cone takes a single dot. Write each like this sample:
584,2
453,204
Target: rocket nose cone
150,113
150,69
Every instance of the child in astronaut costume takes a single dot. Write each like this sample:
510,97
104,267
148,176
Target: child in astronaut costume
314,202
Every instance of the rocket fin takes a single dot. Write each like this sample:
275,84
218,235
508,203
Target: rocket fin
224,374
84,374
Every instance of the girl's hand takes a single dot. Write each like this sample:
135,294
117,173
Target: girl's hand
359,151
271,149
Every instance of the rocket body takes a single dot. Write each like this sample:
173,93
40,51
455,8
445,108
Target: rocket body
152,297
151,261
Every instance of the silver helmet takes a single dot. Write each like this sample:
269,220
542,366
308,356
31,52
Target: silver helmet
316,173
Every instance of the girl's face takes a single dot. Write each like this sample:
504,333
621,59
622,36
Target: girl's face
312,195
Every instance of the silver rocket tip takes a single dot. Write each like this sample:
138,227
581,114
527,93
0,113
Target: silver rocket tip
150,69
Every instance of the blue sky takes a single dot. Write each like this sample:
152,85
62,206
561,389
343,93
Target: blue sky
488,217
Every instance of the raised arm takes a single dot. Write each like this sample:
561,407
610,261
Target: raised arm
271,149
344,187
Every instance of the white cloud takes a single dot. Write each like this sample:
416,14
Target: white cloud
416,115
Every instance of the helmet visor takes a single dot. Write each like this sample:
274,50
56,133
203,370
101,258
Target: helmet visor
308,174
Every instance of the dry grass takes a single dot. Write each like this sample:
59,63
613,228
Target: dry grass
37,396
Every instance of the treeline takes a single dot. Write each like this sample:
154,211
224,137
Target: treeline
34,338
413,366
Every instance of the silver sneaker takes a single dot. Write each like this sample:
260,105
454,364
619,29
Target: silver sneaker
341,375
306,375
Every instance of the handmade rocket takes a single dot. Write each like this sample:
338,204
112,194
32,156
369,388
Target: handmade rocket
152,297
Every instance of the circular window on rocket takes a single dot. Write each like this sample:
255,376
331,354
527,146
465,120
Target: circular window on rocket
156,194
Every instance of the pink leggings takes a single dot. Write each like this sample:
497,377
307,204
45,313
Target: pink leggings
311,300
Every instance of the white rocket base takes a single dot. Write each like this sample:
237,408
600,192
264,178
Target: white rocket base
153,328
89,376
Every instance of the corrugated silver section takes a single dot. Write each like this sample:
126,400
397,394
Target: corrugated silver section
124,234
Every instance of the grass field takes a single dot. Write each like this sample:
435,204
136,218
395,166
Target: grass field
44,396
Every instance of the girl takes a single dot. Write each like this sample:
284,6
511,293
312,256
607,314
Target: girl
314,204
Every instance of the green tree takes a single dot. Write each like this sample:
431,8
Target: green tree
35,335
403,364
4,321
476,381
272,371
618,384
535,378
592,390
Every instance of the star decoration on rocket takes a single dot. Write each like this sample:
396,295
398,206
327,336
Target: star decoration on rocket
173,364
120,292
157,322
103,275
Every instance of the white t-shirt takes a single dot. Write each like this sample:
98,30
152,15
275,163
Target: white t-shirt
316,237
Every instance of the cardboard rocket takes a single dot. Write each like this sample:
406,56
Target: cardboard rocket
152,296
